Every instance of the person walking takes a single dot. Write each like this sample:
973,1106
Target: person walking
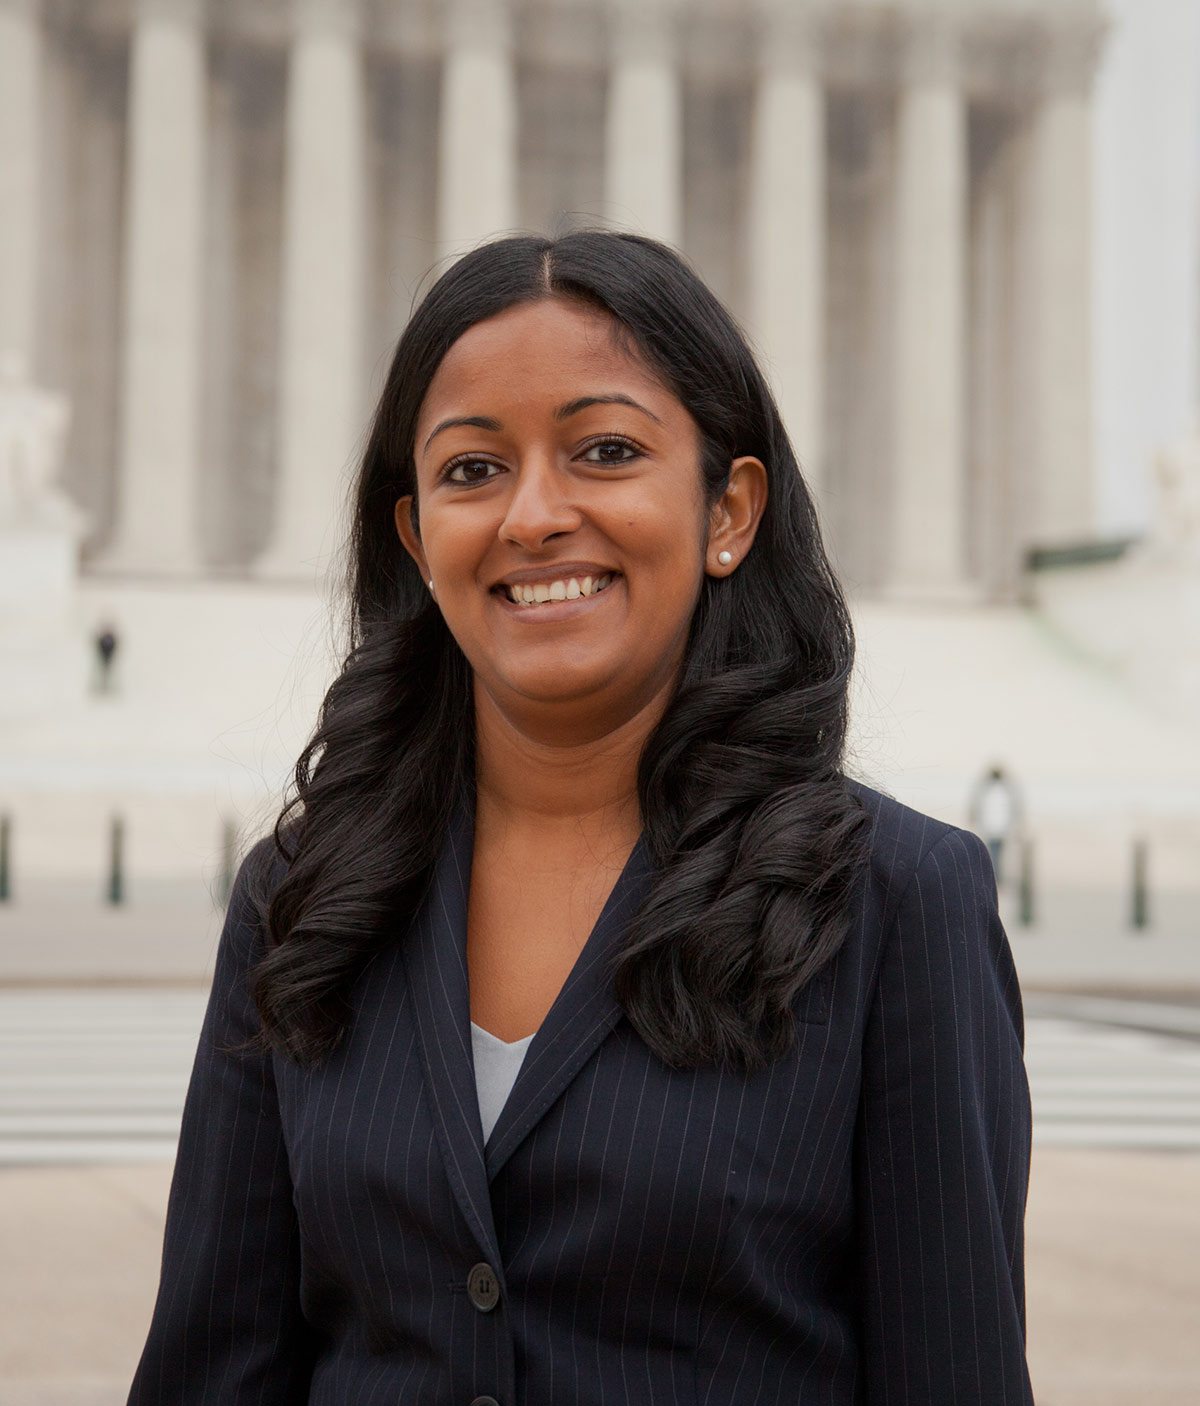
995,815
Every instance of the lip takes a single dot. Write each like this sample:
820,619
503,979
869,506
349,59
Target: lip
553,571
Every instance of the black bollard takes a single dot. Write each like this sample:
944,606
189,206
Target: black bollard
5,844
116,861
1026,910
1139,907
229,837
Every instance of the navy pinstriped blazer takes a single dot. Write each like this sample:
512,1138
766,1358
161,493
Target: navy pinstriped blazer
841,1229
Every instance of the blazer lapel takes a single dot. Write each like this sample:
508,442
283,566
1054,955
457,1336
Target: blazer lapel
581,1016
435,963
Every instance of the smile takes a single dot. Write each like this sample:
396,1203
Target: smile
543,592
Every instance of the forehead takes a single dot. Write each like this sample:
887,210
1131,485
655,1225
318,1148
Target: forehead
551,350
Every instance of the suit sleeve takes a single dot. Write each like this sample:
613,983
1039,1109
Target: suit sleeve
943,1148
227,1324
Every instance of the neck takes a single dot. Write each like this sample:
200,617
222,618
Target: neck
531,778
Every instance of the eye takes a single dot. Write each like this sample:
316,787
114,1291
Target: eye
612,450
468,470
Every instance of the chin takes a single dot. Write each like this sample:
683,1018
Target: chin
563,681
564,687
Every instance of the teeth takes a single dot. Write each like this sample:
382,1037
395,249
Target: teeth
558,590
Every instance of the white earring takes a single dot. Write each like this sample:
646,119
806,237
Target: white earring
724,558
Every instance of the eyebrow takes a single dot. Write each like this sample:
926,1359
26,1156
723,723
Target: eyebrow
477,422
564,412
573,407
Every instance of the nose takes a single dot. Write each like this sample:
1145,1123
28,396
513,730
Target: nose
540,506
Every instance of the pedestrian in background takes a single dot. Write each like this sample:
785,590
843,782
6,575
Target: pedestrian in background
105,641
996,814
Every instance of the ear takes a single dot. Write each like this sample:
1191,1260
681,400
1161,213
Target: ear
407,533
734,517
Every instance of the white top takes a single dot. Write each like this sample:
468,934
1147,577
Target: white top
997,810
497,1064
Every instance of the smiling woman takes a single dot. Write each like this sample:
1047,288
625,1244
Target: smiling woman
584,1034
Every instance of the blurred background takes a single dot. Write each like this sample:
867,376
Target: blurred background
964,236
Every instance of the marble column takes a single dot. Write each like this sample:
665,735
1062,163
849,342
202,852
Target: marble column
477,140
322,375
1055,261
156,527
20,151
786,222
643,184
929,342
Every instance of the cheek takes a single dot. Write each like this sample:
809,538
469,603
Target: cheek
671,545
452,550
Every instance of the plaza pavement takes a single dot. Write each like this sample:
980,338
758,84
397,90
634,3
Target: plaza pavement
1113,1284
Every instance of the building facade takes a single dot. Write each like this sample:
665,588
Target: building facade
217,214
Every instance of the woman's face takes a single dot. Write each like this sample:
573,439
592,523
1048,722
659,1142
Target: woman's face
561,511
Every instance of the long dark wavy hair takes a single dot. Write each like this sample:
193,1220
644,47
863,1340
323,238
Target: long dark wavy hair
756,838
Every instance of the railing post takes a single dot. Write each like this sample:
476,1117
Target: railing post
5,858
116,861
229,838
1139,908
1026,908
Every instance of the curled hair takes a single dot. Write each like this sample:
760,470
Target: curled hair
756,838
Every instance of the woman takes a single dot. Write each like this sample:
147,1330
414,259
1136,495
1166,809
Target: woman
587,1036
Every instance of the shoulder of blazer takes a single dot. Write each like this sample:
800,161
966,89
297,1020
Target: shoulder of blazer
257,879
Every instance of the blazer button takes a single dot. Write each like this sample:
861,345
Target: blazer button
485,1401
483,1289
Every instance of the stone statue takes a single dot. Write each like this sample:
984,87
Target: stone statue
33,428
1175,534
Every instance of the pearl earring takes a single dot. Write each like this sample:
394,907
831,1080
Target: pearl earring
724,558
